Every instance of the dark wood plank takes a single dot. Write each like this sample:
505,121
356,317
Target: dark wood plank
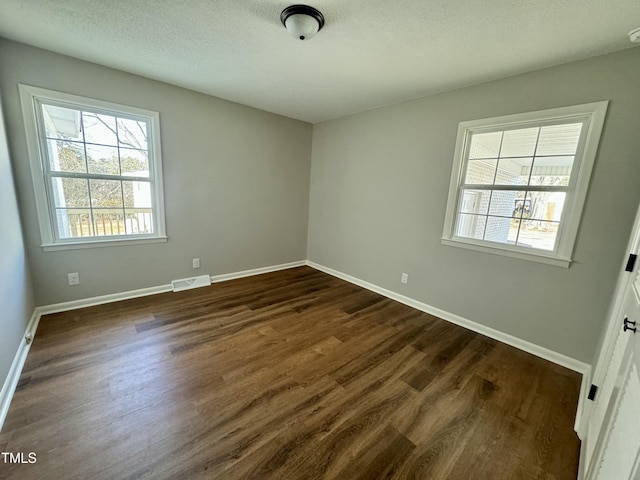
290,375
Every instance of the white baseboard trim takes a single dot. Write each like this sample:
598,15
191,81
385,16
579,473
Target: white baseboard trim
11,382
542,352
256,271
143,292
113,297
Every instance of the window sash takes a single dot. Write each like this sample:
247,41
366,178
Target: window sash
54,210
460,215
582,119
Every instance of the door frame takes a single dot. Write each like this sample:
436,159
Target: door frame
598,371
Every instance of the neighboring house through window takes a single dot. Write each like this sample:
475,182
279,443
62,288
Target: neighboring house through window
519,182
96,170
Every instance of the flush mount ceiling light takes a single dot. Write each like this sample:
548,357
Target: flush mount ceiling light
302,21
634,35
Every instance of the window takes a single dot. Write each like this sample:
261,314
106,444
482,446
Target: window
96,170
519,182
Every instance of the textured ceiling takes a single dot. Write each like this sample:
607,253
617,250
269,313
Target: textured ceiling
370,53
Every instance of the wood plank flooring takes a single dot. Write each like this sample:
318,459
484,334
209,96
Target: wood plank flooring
289,375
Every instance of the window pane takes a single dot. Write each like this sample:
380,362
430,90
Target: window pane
470,226
485,145
60,122
132,133
513,231
109,222
559,139
106,193
522,206
503,203
66,156
475,201
519,143
99,129
134,163
538,234
73,222
137,194
70,192
552,171
103,160
480,172
546,206
513,171
498,229
139,221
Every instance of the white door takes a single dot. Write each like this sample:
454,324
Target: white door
611,449
617,448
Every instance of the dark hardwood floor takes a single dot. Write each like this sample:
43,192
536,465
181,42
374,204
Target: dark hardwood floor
289,375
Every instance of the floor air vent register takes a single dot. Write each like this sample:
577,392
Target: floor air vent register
189,283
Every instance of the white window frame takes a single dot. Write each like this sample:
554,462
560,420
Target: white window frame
32,99
593,116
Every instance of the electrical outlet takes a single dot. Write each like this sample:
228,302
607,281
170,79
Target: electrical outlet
74,278
196,263
404,278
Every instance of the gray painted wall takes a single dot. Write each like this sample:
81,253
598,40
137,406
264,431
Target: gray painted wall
236,181
16,290
238,196
379,184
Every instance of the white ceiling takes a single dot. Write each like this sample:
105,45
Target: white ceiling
370,53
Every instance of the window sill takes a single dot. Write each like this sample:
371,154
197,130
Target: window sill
538,256
102,243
